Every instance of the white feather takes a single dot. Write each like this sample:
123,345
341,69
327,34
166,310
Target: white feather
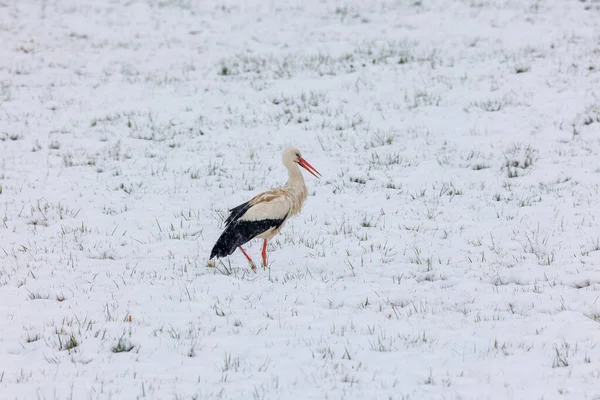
277,208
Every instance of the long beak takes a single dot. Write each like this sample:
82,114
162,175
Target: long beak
304,164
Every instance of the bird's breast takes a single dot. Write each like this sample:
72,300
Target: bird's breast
296,196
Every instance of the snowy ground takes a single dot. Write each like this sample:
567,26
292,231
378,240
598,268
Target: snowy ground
451,249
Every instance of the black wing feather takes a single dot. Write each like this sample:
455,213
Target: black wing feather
240,232
237,212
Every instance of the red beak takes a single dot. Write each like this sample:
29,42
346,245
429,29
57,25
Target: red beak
304,164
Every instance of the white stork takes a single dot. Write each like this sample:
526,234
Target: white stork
265,214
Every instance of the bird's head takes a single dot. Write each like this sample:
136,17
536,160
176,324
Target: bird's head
293,155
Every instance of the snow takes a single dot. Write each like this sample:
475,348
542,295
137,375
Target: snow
451,249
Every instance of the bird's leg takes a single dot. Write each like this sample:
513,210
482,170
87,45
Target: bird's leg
248,258
264,254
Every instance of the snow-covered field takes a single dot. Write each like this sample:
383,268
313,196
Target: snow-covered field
450,251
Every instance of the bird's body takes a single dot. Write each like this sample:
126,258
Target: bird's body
263,216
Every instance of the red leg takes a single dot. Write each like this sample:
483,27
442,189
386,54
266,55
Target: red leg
264,254
248,258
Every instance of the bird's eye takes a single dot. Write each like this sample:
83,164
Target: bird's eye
298,155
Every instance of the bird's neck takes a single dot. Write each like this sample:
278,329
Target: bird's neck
295,189
295,176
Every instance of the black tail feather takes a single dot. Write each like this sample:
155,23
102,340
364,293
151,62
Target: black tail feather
240,232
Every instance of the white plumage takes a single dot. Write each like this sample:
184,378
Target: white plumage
277,208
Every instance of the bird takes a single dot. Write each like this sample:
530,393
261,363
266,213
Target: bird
264,215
